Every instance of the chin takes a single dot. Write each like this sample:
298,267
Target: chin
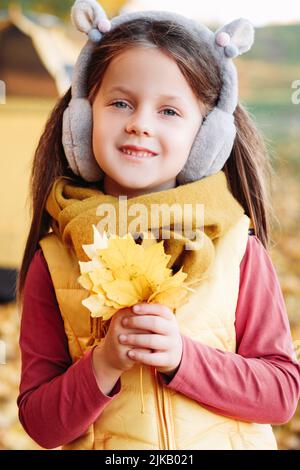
130,182
133,185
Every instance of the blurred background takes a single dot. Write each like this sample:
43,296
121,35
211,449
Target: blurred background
38,49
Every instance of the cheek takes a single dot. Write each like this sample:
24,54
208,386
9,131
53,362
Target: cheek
179,147
97,137
103,136
180,143
195,128
185,145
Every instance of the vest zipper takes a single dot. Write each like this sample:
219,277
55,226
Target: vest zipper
168,418
164,419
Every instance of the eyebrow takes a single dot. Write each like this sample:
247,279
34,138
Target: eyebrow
129,92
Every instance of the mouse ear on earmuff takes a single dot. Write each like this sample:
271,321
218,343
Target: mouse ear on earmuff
236,37
89,17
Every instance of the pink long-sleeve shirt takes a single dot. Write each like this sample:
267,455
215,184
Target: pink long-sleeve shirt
259,383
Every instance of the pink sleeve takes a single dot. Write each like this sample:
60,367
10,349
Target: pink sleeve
260,382
57,401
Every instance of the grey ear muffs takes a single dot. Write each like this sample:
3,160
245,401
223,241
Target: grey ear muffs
77,141
77,126
214,141
211,147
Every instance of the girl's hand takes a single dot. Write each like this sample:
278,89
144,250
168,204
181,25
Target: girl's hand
165,339
112,353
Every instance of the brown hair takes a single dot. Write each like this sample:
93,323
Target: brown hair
248,169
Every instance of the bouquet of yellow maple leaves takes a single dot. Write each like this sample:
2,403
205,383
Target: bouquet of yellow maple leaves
122,273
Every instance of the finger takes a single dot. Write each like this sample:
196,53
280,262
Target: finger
152,341
157,359
153,309
126,331
142,350
148,322
129,314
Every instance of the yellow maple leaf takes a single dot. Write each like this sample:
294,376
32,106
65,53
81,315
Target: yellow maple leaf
122,273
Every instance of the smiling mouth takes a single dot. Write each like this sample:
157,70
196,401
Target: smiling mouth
131,155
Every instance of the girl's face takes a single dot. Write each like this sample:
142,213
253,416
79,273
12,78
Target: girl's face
133,107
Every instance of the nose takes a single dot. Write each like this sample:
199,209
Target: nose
138,124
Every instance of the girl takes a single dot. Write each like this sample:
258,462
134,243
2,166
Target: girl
153,115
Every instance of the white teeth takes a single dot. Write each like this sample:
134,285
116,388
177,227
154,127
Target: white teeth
137,154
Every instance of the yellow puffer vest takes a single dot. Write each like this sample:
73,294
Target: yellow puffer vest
171,420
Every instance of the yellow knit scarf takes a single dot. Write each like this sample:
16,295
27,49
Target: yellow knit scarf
73,211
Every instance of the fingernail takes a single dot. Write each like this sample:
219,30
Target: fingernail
125,321
136,308
122,337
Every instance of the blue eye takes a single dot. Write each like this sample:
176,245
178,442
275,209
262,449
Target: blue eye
170,109
117,102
